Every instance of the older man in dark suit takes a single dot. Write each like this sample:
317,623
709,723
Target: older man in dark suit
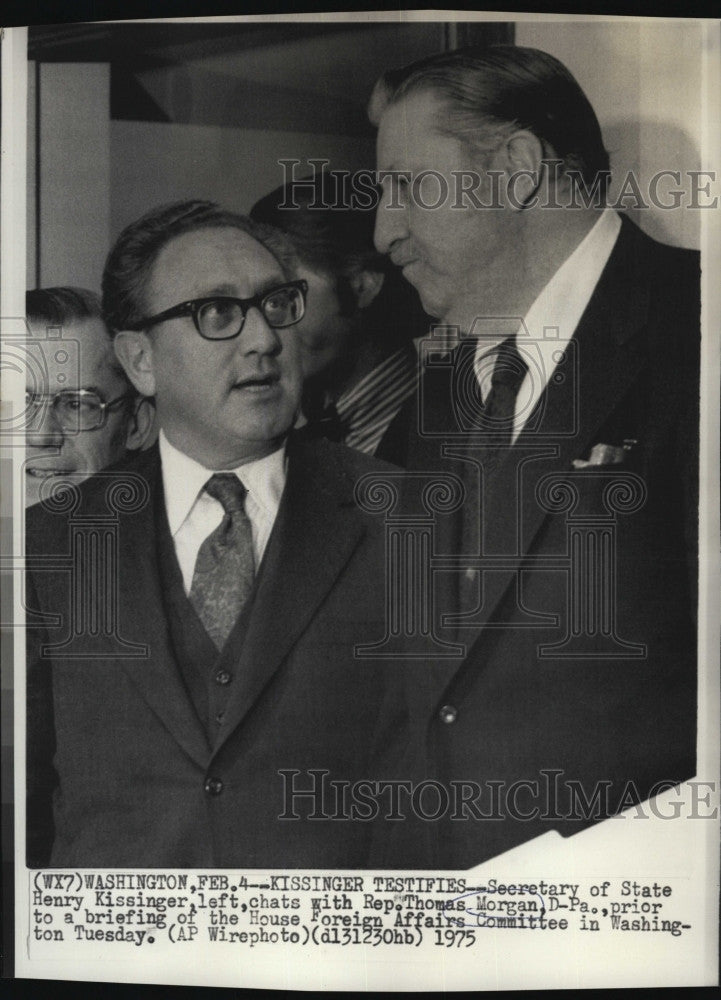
194,612
567,421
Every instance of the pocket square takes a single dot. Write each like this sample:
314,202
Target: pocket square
605,454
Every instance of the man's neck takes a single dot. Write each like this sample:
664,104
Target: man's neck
217,461
549,238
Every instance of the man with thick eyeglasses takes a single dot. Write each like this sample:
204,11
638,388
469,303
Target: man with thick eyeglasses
81,412
214,674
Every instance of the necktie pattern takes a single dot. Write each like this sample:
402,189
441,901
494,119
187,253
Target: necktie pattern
509,372
224,569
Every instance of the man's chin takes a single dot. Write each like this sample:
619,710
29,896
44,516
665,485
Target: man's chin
42,484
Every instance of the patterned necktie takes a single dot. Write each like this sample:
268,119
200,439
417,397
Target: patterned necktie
224,569
499,410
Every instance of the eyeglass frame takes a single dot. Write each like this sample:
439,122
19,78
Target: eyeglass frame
38,398
193,306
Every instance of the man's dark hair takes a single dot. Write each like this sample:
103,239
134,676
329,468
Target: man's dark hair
61,305
130,262
338,240
488,92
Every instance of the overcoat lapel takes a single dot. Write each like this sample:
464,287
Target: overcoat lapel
142,619
318,527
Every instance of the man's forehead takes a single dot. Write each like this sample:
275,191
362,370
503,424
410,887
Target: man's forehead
409,123
82,357
221,260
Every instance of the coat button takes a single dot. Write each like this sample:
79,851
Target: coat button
448,714
219,717
213,786
223,677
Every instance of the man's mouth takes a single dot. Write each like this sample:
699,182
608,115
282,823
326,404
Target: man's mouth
258,383
402,261
38,472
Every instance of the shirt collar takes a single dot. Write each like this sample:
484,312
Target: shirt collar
184,479
567,294
561,303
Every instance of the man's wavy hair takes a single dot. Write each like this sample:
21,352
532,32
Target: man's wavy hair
130,262
488,93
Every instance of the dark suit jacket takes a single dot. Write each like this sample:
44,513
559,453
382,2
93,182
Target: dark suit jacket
579,632
135,776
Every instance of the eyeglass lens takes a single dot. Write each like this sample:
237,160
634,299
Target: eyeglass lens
224,317
74,411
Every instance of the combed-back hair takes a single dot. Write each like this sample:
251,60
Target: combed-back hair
487,93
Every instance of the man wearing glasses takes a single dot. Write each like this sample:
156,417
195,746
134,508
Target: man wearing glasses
215,680
82,413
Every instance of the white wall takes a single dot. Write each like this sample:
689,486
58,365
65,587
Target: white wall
644,82
74,210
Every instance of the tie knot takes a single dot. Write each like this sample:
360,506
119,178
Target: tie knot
227,489
510,368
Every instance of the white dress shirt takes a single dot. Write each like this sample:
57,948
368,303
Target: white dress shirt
193,514
551,321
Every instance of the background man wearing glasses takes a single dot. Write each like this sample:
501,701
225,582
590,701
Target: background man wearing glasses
82,412
241,576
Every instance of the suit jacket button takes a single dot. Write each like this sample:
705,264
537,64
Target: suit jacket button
213,786
448,714
223,677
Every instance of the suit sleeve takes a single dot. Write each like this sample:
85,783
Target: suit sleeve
41,778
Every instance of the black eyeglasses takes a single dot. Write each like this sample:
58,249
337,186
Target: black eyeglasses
222,317
73,409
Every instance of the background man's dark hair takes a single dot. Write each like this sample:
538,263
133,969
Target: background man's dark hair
130,262
61,305
332,237
489,92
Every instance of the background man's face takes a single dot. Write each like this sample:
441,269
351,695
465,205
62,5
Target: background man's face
220,402
445,252
325,336
82,359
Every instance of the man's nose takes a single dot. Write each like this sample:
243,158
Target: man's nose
257,335
390,226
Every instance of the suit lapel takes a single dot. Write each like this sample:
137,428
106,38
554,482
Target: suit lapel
316,531
606,355
142,619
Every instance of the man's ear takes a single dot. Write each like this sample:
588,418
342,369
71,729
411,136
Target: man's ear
142,430
134,351
366,286
524,154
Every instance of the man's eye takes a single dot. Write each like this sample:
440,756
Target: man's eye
78,404
219,314
220,310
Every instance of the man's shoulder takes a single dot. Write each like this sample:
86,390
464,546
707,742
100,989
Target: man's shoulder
329,457
660,259
324,474
123,487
